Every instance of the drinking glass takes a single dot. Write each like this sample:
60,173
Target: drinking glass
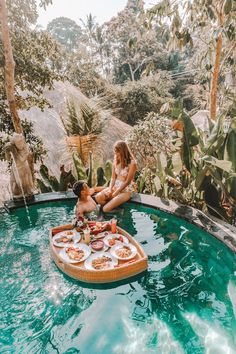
87,236
113,225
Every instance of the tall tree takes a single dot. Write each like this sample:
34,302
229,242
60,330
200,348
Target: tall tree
66,32
30,57
28,64
9,67
189,19
135,47
135,5
218,50
89,27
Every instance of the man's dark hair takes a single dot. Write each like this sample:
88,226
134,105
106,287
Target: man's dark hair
78,187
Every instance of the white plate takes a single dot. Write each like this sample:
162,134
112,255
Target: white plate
75,237
88,262
110,236
117,247
101,235
64,256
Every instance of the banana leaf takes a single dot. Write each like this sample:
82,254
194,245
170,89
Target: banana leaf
200,178
216,132
52,180
44,171
157,183
79,167
230,155
100,177
108,170
43,187
190,139
190,132
222,164
141,180
90,171
177,162
66,179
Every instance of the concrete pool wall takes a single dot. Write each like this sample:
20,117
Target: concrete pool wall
223,231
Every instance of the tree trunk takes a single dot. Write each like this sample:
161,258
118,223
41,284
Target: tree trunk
9,67
215,74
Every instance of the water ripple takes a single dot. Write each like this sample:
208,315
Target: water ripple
185,289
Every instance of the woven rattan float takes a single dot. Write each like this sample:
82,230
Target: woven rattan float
122,270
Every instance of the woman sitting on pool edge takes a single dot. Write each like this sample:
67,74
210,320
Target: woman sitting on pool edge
121,185
120,189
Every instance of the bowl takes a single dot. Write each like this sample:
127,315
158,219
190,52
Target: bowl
97,245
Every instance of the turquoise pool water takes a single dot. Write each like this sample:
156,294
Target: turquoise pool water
185,303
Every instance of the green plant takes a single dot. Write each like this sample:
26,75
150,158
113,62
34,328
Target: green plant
43,187
108,171
66,179
90,171
50,183
80,171
83,119
100,177
136,99
200,171
230,155
93,175
153,134
51,180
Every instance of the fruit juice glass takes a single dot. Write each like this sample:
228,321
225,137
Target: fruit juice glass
87,236
113,226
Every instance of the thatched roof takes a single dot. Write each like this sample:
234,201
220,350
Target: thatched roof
114,129
48,126
100,145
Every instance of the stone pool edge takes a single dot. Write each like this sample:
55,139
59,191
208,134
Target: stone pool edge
226,233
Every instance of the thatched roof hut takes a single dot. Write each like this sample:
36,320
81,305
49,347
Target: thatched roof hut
100,145
50,128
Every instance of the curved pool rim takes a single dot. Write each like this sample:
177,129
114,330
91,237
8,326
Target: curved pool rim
223,231
186,292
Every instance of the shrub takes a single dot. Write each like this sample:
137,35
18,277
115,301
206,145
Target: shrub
136,99
150,136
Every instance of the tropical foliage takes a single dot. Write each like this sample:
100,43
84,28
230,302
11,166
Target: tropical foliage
188,164
83,119
99,176
36,57
66,32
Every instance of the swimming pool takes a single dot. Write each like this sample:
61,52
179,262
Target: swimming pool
184,303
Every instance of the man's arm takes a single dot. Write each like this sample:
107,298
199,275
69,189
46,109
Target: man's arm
98,189
95,190
79,210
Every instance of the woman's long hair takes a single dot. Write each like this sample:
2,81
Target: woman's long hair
125,153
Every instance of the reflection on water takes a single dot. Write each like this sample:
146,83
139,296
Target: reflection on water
184,303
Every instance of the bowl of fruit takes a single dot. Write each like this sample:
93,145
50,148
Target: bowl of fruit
97,245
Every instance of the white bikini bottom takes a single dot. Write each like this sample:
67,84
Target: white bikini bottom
130,188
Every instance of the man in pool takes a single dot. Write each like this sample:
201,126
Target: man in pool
87,201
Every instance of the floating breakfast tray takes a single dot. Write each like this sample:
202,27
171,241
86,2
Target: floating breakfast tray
122,270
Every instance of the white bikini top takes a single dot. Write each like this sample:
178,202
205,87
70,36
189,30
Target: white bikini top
122,171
